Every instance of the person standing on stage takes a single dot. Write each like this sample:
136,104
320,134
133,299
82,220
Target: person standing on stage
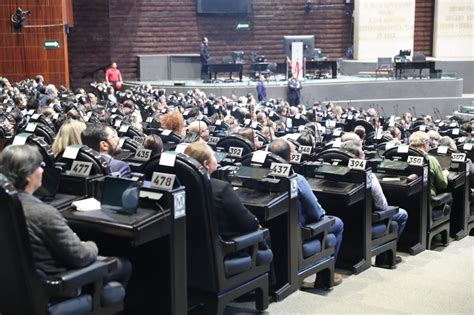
294,91
113,76
261,90
204,52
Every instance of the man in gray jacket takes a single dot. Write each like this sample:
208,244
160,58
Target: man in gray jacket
56,248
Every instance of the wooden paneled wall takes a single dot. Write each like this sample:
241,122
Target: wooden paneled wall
119,30
23,55
424,15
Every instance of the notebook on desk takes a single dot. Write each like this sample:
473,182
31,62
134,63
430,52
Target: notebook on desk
120,195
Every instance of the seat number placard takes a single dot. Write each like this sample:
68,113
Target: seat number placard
357,164
280,169
142,154
80,168
163,181
415,160
236,151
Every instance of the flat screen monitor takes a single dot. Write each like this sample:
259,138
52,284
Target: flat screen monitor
120,195
308,44
229,7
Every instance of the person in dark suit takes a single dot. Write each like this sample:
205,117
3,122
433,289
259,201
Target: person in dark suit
204,53
104,140
294,91
261,90
56,248
233,218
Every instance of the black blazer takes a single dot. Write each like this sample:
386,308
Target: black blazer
233,218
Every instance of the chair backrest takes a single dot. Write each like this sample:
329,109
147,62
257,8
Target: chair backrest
384,62
43,131
43,147
86,154
368,127
20,288
236,141
335,155
394,154
269,159
170,136
202,237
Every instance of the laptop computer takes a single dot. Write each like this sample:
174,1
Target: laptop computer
333,170
251,172
120,195
393,165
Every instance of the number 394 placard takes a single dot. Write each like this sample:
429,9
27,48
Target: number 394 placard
357,164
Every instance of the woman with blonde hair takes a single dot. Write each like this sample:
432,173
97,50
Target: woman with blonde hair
69,133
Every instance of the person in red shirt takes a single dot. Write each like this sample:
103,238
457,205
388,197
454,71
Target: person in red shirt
113,76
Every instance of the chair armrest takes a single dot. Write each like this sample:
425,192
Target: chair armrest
386,213
441,199
310,230
243,241
76,278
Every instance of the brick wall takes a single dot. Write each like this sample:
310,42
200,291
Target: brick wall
120,30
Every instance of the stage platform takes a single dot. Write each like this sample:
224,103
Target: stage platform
389,95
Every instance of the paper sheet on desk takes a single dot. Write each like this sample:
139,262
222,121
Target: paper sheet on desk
88,204
391,179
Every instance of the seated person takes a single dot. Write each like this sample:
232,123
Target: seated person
421,141
104,140
200,128
378,197
449,142
249,134
233,218
56,248
69,133
154,143
310,209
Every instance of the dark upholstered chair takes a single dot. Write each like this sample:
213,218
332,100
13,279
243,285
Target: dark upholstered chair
43,131
439,207
86,154
26,290
315,245
43,147
216,275
384,231
334,155
236,141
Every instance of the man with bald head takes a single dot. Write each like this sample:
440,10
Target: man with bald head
199,127
310,209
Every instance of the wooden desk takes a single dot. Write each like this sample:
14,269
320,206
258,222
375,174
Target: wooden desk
414,65
138,237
